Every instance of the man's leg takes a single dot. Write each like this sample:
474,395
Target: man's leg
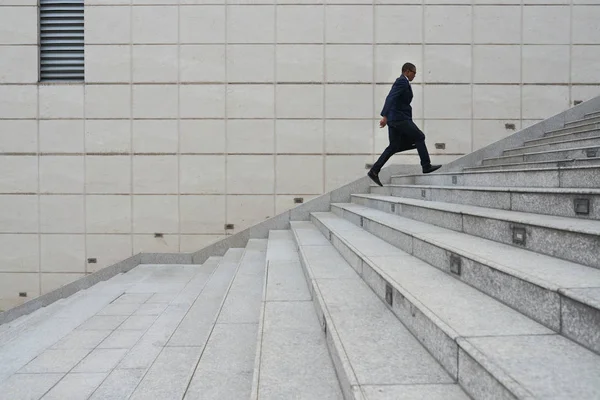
392,149
413,133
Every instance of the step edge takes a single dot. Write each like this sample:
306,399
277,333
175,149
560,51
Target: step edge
565,160
352,390
572,127
547,144
254,394
502,171
542,190
542,152
478,211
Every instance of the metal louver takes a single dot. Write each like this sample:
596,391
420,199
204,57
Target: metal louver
61,40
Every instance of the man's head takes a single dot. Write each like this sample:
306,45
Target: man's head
409,70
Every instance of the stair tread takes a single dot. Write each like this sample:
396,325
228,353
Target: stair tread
553,143
588,126
289,325
542,270
467,314
568,160
591,227
548,190
380,350
216,347
503,171
542,152
580,130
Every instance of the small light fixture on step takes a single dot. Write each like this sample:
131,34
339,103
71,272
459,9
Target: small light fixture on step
519,235
581,206
455,264
389,294
591,153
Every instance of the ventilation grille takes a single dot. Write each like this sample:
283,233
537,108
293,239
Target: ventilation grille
61,40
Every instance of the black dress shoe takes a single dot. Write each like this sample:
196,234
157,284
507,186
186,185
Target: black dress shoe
374,177
431,168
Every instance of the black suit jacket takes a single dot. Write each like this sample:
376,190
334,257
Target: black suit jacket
397,103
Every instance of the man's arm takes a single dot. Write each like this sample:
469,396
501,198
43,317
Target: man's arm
397,89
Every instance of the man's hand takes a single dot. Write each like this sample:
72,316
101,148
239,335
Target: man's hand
383,122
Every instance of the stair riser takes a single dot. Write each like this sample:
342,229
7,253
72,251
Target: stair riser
541,164
541,304
347,379
570,136
542,240
588,178
554,146
584,122
574,129
580,323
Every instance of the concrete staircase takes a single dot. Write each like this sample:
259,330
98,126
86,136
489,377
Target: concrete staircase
480,282
156,332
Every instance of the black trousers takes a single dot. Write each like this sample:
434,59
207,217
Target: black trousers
404,135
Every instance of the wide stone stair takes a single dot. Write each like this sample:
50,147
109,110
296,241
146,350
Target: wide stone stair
482,283
478,283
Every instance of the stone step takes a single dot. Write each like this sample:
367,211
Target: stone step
374,354
195,328
225,368
533,284
289,325
582,122
592,115
200,343
151,350
545,234
550,201
574,177
98,330
456,323
584,127
578,134
562,145
539,164
551,155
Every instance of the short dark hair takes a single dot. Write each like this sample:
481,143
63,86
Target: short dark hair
409,67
